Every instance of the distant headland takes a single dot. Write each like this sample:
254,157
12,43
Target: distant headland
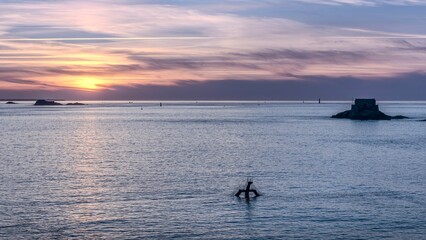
365,109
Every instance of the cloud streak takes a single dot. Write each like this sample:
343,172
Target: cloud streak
77,39
368,2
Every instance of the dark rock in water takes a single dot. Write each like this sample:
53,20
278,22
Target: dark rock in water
400,117
365,109
42,102
11,103
423,120
75,104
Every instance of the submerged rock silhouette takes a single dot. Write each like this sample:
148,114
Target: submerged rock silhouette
365,109
42,102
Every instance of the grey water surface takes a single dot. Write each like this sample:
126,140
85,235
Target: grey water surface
110,170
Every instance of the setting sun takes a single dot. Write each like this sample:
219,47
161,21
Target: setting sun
89,83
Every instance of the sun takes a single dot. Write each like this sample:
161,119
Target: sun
89,83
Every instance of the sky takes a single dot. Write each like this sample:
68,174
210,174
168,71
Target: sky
213,49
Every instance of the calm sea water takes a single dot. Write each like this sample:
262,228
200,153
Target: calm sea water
110,170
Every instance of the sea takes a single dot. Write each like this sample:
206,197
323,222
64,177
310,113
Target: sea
138,170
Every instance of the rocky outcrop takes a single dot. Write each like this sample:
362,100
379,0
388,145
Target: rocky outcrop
75,104
366,109
42,102
11,103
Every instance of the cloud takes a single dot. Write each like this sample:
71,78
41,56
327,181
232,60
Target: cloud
20,81
269,63
15,70
26,82
367,2
105,70
4,47
406,45
63,34
193,63
328,56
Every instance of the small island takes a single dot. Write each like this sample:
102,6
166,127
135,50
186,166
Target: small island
42,102
11,102
365,109
75,104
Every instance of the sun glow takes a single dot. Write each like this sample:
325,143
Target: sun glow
89,83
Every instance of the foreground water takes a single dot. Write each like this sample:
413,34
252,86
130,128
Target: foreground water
114,171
